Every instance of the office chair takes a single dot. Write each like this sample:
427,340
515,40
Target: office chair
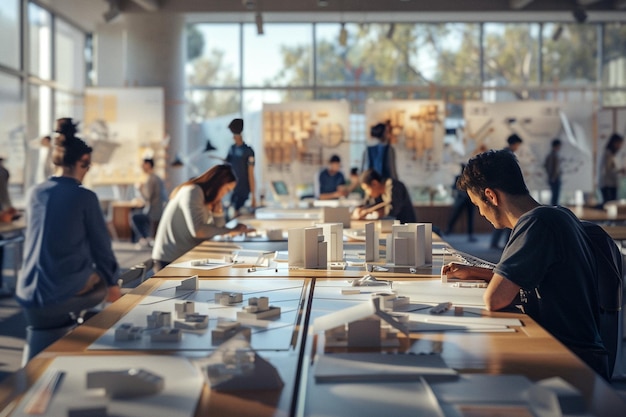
610,284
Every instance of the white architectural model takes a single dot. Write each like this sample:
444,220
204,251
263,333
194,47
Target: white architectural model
372,253
408,244
227,329
333,235
126,383
337,215
126,331
235,366
182,309
227,298
258,308
166,334
159,319
192,321
189,284
307,248
392,301
360,326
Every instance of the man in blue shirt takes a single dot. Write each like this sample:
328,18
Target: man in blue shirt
241,158
331,181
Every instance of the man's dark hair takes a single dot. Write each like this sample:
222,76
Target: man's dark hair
370,175
149,161
498,170
513,139
334,158
556,142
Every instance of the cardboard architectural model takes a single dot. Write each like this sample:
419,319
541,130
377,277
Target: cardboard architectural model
192,321
126,383
166,334
333,235
182,309
159,319
126,331
227,298
372,252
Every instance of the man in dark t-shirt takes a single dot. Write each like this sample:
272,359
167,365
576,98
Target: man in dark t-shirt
548,261
331,182
241,158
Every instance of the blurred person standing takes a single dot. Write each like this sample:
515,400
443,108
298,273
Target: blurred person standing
609,172
552,165
381,157
154,196
241,158
6,216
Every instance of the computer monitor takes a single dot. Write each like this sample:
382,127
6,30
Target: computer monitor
280,189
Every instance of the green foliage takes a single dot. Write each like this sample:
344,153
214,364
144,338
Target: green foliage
195,42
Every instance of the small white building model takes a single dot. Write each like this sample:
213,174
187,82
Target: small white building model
126,331
188,307
159,319
258,308
408,244
126,383
372,252
392,301
236,366
166,334
189,284
307,248
333,235
226,329
192,321
226,298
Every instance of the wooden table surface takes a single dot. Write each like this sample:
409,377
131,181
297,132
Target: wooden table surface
529,351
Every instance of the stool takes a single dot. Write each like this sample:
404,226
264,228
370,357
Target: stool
39,339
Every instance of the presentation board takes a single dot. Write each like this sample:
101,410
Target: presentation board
488,125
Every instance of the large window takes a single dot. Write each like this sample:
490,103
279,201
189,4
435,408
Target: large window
282,56
69,56
570,54
614,63
40,41
10,33
213,55
511,53
13,126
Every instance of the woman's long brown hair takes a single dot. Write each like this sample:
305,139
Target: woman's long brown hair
211,181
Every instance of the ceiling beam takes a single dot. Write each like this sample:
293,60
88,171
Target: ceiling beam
148,5
520,4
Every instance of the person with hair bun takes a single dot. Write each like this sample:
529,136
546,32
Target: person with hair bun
194,213
69,265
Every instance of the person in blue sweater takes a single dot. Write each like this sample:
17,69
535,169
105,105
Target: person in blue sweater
69,264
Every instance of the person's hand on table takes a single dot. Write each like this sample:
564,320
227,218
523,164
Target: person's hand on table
113,293
461,271
240,229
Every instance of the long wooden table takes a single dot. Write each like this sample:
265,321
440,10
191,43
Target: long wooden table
529,351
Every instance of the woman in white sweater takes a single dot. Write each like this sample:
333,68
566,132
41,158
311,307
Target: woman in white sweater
193,214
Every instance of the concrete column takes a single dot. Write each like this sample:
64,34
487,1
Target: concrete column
148,50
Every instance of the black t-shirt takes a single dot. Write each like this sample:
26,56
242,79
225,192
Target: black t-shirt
549,257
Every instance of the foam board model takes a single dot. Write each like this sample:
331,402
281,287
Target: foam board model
236,366
333,235
226,298
227,329
337,215
159,319
372,253
126,383
258,308
409,244
391,301
192,321
189,284
126,331
182,309
166,334
307,248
